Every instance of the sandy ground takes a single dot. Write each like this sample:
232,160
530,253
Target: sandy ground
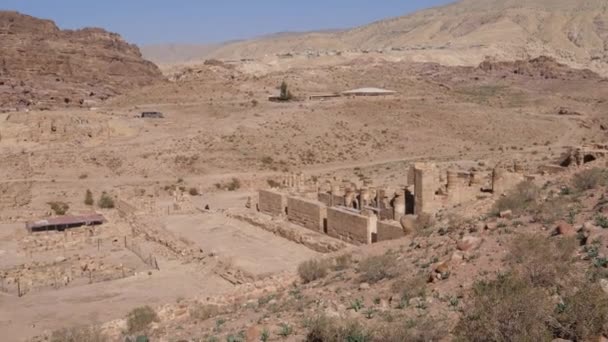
246,246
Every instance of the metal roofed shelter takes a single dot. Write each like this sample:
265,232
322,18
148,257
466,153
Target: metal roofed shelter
62,223
369,92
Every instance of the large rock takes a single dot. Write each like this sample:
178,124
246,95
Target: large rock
604,285
42,66
468,243
565,229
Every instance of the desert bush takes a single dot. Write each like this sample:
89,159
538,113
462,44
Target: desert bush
589,179
285,330
193,192
520,200
105,201
59,208
540,261
88,198
505,309
312,270
379,267
553,210
273,184
285,93
139,319
233,185
203,312
79,334
411,287
601,221
267,160
325,329
582,315
423,329
343,262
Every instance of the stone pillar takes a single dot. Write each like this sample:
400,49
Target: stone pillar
498,180
426,178
399,205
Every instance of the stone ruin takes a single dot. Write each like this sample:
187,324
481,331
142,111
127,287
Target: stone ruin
367,214
578,156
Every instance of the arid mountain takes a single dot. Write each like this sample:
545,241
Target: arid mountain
42,66
464,33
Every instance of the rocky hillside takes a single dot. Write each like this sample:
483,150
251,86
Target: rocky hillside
464,33
42,66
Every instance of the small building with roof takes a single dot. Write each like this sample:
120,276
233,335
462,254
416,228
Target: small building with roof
368,92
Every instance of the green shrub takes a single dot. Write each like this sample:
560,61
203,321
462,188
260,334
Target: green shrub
312,270
88,198
59,208
376,268
79,334
285,330
193,192
520,200
601,221
105,201
139,319
505,309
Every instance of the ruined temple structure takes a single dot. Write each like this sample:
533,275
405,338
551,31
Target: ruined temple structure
364,214
582,155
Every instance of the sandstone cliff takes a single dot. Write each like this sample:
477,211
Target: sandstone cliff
42,66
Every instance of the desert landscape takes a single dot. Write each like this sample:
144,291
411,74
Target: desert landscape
440,176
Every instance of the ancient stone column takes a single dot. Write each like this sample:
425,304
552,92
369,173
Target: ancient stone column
427,183
399,205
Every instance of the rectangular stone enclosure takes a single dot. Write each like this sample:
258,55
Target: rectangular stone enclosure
307,213
389,230
272,203
350,227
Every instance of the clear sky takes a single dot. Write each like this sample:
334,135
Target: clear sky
206,21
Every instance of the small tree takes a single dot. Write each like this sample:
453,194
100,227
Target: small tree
105,201
59,208
88,198
285,93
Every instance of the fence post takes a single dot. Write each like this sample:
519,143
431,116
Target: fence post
19,287
125,241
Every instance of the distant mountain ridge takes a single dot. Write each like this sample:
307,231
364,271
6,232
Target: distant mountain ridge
42,66
574,32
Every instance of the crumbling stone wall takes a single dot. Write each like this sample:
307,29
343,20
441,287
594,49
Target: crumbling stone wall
350,227
389,230
309,214
504,180
272,202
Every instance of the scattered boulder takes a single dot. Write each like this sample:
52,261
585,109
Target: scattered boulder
364,286
253,334
507,214
565,229
604,285
468,243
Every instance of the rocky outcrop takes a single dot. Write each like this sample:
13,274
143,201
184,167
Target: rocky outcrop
42,66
